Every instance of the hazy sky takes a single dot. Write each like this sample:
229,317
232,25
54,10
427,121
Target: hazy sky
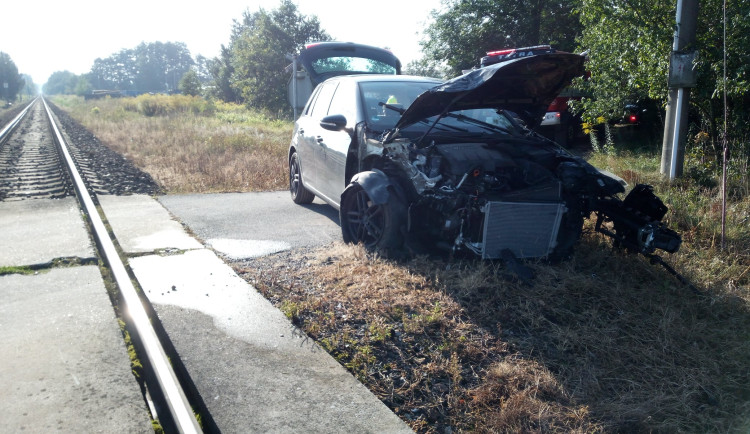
45,36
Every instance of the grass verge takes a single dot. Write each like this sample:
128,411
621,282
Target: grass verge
189,145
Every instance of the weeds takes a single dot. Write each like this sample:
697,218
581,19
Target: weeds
189,145
163,105
23,270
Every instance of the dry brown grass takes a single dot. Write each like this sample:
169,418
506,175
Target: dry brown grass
223,149
603,342
194,156
7,113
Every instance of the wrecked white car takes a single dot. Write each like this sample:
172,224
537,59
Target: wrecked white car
416,164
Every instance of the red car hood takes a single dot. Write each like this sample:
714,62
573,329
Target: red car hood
525,86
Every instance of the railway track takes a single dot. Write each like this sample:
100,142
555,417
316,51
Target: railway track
30,166
38,161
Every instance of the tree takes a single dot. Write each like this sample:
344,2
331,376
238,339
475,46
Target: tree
258,65
11,82
160,66
628,53
83,86
152,67
29,88
629,60
222,71
707,98
467,29
189,84
427,68
250,69
60,83
202,69
117,71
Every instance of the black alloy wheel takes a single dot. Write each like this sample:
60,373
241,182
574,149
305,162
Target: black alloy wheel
377,226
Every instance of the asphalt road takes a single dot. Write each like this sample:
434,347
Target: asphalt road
264,222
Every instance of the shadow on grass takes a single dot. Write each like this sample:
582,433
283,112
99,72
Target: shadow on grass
626,340
602,342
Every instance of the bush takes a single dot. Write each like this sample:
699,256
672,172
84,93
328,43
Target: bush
163,105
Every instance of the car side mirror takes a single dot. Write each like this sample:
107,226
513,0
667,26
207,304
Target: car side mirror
333,122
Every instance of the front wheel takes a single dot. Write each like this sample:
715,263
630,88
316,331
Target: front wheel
379,227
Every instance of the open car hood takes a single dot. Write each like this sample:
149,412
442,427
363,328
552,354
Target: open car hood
525,86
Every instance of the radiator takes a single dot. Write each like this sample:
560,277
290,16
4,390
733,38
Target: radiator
529,230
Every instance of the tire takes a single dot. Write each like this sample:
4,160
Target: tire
300,195
380,228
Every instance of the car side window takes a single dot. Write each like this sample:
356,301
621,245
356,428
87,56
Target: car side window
323,101
344,101
311,102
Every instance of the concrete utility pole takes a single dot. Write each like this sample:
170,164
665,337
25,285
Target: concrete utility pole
681,79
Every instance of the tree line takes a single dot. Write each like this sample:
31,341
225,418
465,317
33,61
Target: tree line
628,42
157,67
12,83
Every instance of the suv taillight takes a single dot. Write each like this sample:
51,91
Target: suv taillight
559,104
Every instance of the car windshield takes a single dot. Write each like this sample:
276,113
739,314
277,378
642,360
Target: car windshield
385,101
352,65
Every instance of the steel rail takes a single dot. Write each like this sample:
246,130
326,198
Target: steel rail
177,402
5,132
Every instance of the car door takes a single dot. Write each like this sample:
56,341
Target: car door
334,146
308,136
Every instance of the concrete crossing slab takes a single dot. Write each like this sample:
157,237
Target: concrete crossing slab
28,238
65,366
141,224
255,371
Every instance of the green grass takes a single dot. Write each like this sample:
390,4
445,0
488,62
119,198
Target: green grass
17,270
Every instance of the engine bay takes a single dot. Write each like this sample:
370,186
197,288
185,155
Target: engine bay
527,196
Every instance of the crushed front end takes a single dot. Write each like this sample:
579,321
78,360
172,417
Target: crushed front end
520,195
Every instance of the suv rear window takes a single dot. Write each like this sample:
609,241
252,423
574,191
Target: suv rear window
352,65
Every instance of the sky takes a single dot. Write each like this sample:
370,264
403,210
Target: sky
45,36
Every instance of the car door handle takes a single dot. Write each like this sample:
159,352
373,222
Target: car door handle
300,131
